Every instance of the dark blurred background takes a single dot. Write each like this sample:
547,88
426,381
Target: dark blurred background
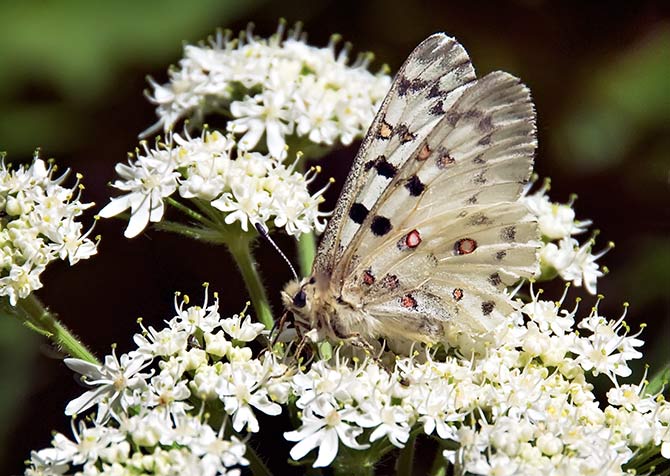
71,80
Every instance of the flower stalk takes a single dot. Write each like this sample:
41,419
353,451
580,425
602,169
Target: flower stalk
306,252
405,461
241,251
38,318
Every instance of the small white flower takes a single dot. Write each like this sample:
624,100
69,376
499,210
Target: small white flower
149,180
325,432
556,220
240,328
583,268
241,391
391,421
266,113
112,382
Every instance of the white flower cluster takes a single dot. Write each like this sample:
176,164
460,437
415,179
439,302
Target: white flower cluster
272,88
248,187
38,224
561,253
146,422
525,408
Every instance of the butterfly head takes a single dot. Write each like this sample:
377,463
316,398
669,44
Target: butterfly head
302,298
297,295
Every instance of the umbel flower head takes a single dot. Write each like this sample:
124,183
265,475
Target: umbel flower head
561,254
38,224
247,187
272,89
526,407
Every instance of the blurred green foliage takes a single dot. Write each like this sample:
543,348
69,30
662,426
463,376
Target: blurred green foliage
79,48
622,100
18,351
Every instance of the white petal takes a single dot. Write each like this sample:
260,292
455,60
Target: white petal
115,206
138,220
305,446
275,139
327,450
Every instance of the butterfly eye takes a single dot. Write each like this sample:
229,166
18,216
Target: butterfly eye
300,299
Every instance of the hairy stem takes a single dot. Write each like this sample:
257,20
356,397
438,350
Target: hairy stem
38,318
241,250
405,461
256,464
306,252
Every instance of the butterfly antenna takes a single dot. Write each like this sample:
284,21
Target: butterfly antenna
264,233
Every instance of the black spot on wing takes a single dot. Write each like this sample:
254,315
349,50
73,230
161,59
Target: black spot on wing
487,307
403,85
486,140
415,186
382,166
479,178
472,114
417,84
380,225
358,212
435,92
391,281
444,159
495,279
437,109
479,219
453,117
508,233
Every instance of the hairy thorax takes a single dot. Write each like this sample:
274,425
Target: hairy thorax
322,313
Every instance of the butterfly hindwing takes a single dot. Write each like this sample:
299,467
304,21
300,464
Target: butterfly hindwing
421,92
447,233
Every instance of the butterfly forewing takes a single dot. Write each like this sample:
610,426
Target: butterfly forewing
428,230
459,167
422,89
447,233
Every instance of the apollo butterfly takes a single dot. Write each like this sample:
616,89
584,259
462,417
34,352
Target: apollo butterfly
428,229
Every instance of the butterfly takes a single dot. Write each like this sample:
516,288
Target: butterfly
428,231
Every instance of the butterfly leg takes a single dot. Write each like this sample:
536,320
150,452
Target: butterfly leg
278,327
302,343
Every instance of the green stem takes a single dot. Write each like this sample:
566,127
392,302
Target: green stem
189,212
439,466
405,461
241,250
306,252
38,318
256,464
359,470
